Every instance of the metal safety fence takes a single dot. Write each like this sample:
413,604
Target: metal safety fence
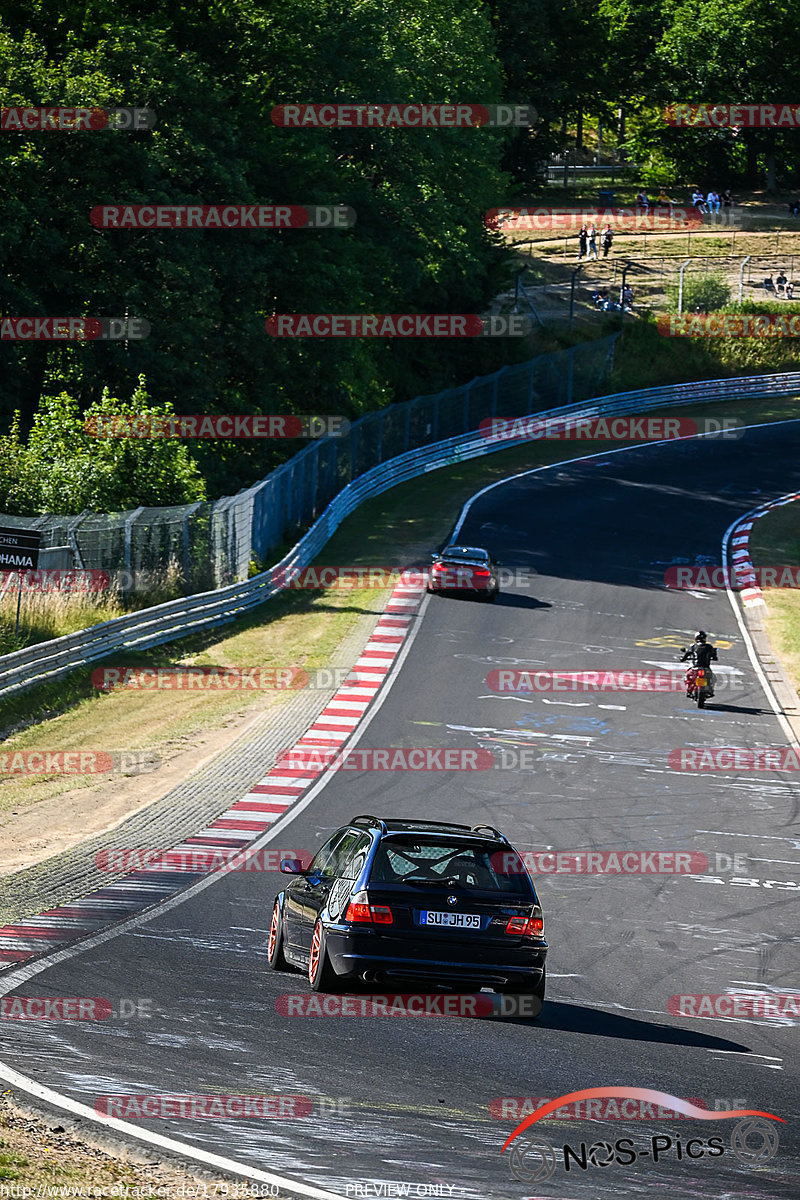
212,544
178,618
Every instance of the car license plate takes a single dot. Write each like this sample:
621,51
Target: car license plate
451,920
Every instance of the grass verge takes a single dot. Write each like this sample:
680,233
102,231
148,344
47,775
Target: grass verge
775,542
41,1155
295,629
48,612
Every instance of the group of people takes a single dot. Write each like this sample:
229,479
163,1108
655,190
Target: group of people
712,201
643,200
601,298
780,286
587,237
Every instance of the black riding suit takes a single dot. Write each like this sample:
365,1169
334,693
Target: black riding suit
702,655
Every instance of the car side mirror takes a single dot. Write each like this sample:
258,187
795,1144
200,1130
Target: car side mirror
292,866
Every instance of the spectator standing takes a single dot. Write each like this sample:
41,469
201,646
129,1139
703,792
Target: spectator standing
727,198
582,237
607,239
593,241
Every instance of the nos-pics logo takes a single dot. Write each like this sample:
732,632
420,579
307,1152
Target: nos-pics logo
754,1140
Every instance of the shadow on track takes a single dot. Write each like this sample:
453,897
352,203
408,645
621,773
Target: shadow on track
512,600
504,599
574,1018
738,708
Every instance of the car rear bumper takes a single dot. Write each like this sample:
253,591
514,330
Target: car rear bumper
462,589
352,955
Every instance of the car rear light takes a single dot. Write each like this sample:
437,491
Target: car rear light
360,912
357,912
480,573
525,927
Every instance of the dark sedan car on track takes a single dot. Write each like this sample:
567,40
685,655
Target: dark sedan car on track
464,569
388,901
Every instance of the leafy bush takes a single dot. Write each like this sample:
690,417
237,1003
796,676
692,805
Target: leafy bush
708,293
65,469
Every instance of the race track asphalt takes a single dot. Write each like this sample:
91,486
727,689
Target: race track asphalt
416,1093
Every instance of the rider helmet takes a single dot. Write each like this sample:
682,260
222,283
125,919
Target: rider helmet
701,635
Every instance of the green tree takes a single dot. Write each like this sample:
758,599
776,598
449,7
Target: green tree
63,468
693,51
212,72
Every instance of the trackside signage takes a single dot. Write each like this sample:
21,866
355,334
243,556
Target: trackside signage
19,549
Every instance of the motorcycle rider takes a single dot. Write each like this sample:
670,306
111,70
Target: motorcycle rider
702,654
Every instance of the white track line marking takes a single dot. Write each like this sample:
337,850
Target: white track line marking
14,977
751,650
156,1139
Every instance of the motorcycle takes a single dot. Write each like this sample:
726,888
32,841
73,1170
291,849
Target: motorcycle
698,685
